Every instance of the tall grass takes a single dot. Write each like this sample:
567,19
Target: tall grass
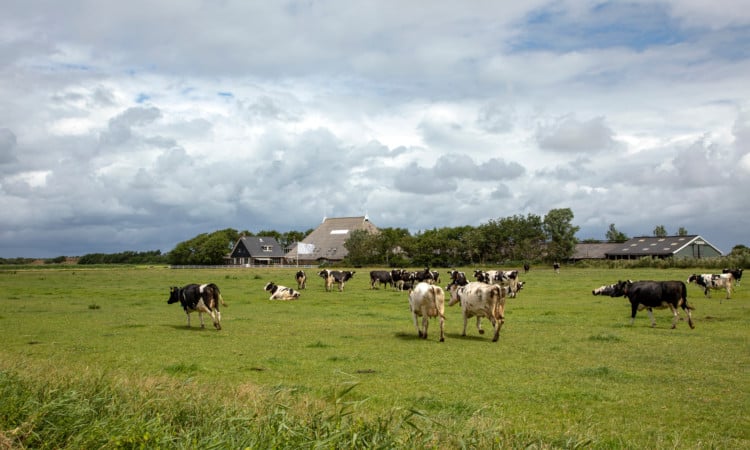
343,370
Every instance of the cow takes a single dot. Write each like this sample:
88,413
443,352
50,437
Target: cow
556,267
427,300
512,290
381,277
335,276
279,292
736,273
526,267
655,294
203,298
399,277
607,289
458,278
480,300
425,275
710,281
301,279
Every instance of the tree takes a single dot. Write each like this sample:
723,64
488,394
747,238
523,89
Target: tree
561,234
615,235
204,249
361,248
660,231
682,231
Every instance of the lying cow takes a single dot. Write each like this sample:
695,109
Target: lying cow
301,279
201,298
480,300
655,294
280,292
380,277
427,300
336,276
710,281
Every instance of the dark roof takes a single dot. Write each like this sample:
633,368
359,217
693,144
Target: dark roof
656,246
260,246
330,236
597,250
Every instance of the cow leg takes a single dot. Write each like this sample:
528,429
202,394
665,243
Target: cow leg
188,318
690,316
442,328
200,315
633,311
653,321
416,324
425,324
466,321
479,325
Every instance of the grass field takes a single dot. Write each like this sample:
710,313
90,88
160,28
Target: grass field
339,370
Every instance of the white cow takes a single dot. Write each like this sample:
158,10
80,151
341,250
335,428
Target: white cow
480,300
427,300
710,281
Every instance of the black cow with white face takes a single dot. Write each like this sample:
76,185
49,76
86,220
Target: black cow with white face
655,294
458,278
336,276
201,298
736,273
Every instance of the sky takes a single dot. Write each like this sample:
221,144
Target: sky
138,125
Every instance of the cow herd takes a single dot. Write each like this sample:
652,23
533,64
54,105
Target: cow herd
483,298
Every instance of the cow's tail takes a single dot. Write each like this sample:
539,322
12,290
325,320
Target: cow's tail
441,314
684,298
218,294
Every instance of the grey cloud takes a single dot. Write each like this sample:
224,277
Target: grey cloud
420,180
570,135
461,166
496,118
119,129
7,146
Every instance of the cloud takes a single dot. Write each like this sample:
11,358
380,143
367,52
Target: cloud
7,146
567,134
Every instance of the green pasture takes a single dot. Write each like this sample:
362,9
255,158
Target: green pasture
568,371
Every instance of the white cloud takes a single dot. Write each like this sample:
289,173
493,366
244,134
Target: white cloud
122,121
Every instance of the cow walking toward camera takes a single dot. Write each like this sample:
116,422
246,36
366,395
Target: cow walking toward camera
301,279
655,294
427,300
200,298
279,292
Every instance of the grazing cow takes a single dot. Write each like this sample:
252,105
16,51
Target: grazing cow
512,290
556,266
203,298
482,276
526,267
427,300
380,276
655,294
280,292
336,276
458,278
713,281
736,273
301,280
480,300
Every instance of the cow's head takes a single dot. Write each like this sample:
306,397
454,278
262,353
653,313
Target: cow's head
270,286
348,275
325,273
607,289
621,288
174,295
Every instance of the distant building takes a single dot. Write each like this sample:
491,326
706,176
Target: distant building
326,243
256,250
692,246
595,250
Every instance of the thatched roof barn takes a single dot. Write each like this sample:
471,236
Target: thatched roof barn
326,243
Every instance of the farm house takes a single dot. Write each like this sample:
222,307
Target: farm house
326,243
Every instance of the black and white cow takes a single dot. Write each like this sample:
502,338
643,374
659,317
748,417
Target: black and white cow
201,298
399,277
336,276
556,267
301,279
709,281
458,278
425,275
427,300
380,277
655,294
280,292
526,267
736,273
